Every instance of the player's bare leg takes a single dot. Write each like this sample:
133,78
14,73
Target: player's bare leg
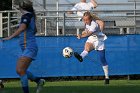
88,47
22,66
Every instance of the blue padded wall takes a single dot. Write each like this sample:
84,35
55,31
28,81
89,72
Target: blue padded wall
122,53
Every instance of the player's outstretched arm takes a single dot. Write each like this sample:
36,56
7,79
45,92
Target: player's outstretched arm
84,34
94,3
21,28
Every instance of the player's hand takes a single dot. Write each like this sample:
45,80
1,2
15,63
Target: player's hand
84,32
6,38
79,36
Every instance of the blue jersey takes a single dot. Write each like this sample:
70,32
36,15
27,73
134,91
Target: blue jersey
27,39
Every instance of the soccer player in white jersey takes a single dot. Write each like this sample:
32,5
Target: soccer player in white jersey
95,41
83,5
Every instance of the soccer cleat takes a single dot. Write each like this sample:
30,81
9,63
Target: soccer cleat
106,81
78,56
40,85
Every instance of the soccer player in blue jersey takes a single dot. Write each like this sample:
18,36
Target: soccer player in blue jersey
26,32
95,41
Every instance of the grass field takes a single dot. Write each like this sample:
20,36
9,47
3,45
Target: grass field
115,86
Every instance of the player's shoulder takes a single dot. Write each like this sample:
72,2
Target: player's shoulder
26,18
27,15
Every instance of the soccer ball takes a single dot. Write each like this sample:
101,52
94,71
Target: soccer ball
67,52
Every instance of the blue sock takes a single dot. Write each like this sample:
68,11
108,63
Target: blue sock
102,57
32,77
25,89
24,83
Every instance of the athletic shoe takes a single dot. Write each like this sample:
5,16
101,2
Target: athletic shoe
78,56
106,81
40,85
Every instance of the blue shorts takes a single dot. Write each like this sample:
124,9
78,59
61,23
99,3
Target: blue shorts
30,52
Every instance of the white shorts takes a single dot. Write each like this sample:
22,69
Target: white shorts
98,43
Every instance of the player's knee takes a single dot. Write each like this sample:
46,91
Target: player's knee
88,48
20,72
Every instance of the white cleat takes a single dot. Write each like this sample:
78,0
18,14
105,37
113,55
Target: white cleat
40,85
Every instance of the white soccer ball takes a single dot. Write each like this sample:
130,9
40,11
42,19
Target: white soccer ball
67,52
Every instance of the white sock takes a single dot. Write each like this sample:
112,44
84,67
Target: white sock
105,68
84,53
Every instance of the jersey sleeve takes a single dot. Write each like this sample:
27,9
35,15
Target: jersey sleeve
25,19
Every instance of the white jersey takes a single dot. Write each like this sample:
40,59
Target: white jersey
97,39
93,27
82,6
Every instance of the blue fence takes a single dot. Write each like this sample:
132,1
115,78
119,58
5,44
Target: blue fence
122,53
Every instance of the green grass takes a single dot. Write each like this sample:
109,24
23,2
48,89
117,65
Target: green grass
115,86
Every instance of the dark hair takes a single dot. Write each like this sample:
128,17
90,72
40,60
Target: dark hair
28,6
